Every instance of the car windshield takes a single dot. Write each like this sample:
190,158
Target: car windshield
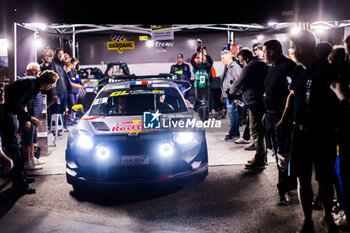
122,102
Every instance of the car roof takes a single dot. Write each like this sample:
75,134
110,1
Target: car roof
124,82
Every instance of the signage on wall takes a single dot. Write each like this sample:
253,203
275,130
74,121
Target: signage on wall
120,43
162,32
162,46
143,38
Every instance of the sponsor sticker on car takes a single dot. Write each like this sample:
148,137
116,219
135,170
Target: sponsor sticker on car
135,160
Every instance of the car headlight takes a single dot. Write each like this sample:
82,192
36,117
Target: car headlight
84,140
184,137
102,152
166,149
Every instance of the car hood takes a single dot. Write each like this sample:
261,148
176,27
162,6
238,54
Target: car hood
128,124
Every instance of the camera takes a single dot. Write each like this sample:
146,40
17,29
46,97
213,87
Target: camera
200,47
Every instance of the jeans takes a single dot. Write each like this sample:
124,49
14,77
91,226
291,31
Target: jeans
59,107
72,100
232,114
344,171
257,132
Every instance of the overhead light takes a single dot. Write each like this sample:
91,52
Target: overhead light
38,43
260,37
149,43
3,47
319,30
41,26
294,30
272,23
320,27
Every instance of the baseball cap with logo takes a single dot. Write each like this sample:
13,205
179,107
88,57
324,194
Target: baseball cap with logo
180,55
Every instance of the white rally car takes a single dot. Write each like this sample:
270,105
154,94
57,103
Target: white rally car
139,131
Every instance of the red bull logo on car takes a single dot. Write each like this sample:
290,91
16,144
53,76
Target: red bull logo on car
127,126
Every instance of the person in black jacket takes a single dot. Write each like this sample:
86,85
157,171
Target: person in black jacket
251,84
312,107
341,87
276,90
17,97
6,163
60,93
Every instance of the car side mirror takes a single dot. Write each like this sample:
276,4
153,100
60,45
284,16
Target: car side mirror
78,108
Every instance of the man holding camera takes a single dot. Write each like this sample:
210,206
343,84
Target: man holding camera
231,73
202,64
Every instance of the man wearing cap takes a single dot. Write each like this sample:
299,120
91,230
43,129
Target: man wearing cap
181,69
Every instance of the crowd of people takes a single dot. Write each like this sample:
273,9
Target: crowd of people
299,106
21,105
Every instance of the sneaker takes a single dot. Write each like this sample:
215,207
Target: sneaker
250,161
230,138
338,215
342,223
336,208
284,199
241,141
328,222
255,166
38,161
251,147
30,165
307,227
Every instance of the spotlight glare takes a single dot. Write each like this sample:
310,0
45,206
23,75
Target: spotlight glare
166,149
295,30
102,152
